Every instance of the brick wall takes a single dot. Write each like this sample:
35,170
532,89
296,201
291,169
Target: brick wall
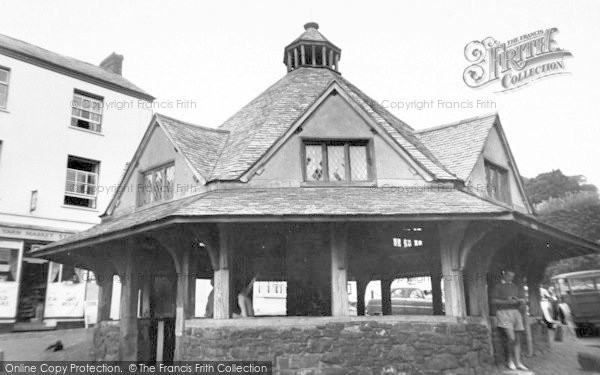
357,345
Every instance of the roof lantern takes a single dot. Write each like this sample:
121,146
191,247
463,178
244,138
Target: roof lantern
313,50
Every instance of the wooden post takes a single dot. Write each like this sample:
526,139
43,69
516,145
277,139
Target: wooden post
339,277
190,312
289,61
146,288
314,57
535,298
182,302
222,287
128,335
330,59
104,280
478,294
361,288
324,52
295,58
160,340
450,238
386,296
303,55
337,61
436,292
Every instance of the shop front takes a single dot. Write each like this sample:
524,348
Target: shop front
36,294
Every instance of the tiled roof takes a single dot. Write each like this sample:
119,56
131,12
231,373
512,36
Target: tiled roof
40,56
257,126
200,145
342,201
401,132
458,145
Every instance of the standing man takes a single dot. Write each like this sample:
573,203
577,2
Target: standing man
508,299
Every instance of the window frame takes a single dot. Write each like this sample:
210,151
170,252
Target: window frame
347,168
7,84
97,125
503,194
141,191
93,199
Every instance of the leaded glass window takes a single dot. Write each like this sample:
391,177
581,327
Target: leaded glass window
157,185
337,161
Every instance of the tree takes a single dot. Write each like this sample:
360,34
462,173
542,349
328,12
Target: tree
554,184
570,204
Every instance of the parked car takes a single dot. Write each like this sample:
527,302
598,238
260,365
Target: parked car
405,301
578,300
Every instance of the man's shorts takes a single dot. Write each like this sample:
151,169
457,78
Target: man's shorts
510,319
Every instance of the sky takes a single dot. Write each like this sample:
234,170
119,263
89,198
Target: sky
204,61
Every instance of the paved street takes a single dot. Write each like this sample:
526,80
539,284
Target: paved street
562,360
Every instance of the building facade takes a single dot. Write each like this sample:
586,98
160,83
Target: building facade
67,130
314,184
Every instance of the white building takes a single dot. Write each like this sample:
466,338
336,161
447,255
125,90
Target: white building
67,130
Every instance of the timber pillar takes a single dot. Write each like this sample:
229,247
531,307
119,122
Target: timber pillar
128,324
339,276
451,235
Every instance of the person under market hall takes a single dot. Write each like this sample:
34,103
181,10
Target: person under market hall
509,301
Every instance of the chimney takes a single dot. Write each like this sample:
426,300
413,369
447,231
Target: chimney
113,63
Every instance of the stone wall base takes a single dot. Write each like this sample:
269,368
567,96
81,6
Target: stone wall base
356,346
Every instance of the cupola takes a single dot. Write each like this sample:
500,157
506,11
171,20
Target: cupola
313,50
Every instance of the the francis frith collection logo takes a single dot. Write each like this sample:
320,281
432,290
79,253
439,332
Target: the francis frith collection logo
515,63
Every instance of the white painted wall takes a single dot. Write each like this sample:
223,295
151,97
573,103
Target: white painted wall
37,138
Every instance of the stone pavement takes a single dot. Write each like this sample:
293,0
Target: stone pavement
561,360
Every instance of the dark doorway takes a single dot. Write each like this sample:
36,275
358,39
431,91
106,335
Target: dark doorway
32,291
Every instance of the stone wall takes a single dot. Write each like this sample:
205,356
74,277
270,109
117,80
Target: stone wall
353,345
106,341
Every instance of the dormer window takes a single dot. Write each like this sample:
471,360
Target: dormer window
157,185
337,161
497,182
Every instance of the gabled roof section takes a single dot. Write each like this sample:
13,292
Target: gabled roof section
458,145
257,127
69,66
200,145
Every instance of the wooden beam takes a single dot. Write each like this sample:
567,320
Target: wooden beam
222,288
451,235
339,274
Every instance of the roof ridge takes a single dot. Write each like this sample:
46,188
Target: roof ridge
56,53
455,123
181,122
111,74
